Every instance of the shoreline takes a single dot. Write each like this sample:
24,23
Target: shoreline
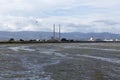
38,42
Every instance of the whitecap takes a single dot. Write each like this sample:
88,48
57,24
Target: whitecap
111,60
25,48
105,49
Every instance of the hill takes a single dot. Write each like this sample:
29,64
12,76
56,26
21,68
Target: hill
4,35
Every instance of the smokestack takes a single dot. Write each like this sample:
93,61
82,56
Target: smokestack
59,32
53,31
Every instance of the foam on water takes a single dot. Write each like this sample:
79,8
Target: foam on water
105,49
34,72
48,77
101,58
60,54
99,49
53,53
47,51
25,48
38,69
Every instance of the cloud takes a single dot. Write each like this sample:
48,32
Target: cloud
73,15
107,22
11,23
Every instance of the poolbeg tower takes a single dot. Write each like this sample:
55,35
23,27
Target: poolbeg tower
59,32
54,32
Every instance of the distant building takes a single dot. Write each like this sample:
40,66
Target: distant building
108,40
91,39
38,40
117,40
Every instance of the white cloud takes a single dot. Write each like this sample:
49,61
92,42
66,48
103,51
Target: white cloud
40,15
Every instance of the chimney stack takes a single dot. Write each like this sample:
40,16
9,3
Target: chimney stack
53,31
59,32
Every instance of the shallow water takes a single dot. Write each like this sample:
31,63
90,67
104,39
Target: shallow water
111,60
56,61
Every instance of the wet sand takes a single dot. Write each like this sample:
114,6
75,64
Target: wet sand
60,61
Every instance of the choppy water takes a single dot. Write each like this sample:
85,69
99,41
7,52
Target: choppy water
60,62
111,60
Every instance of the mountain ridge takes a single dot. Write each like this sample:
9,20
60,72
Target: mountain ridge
6,35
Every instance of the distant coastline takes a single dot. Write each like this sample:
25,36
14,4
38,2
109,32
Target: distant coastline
37,42
26,37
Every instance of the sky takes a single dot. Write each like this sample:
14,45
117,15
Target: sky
73,15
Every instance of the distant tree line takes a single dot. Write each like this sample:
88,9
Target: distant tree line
55,40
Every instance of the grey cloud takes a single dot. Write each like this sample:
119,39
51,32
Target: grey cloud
20,23
107,22
78,25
